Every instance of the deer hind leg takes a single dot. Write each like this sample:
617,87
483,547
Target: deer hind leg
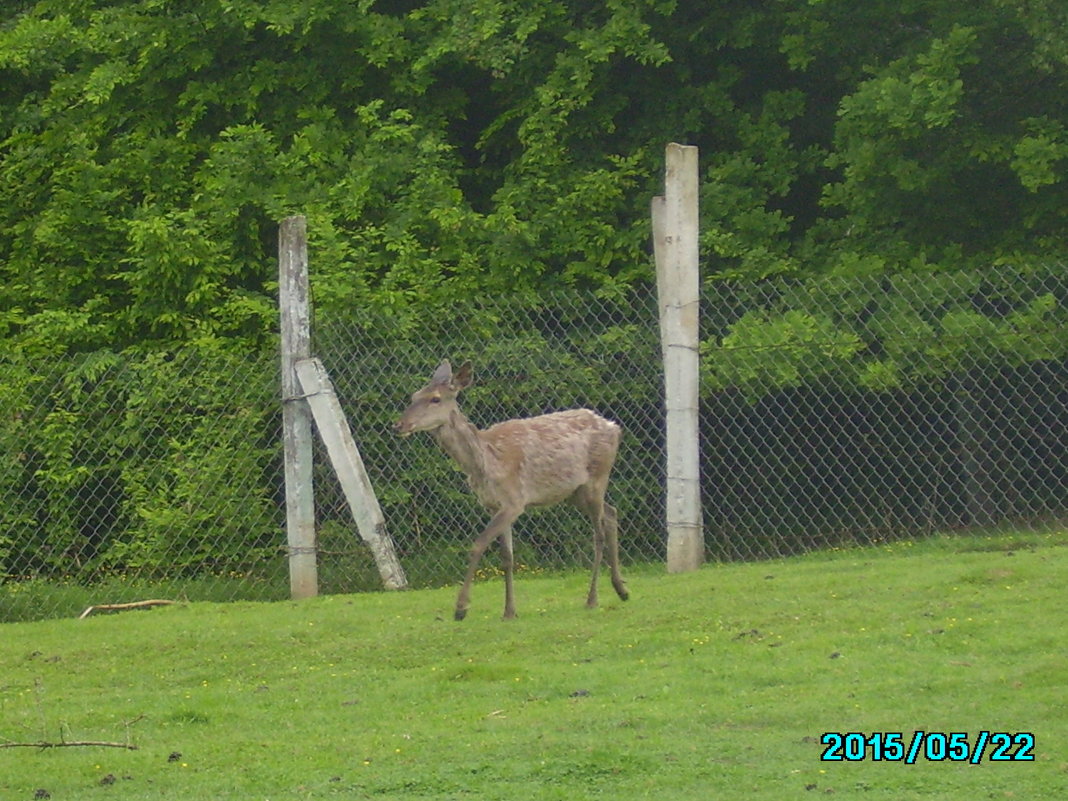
598,553
610,523
501,523
591,503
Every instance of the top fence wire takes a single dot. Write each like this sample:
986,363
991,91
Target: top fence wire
834,412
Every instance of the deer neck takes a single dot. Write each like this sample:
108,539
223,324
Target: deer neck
459,438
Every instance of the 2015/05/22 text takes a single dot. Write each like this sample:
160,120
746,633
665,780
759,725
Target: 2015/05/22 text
931,746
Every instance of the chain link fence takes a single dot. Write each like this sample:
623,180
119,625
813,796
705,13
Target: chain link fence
834,412
564,351
126,476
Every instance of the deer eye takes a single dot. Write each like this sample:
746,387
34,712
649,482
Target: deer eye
435,400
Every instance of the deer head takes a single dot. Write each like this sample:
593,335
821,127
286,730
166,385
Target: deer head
433,405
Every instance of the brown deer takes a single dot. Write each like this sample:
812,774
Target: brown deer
536,461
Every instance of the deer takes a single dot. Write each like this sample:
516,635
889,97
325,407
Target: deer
517,464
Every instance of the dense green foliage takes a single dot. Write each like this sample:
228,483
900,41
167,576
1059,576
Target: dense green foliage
148,148
883,212
149,464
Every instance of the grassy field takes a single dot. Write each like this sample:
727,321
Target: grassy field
712,685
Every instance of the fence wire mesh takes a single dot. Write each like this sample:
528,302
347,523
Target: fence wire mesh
126,476
833,412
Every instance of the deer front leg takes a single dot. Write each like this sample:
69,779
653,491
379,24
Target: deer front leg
508,562
501,522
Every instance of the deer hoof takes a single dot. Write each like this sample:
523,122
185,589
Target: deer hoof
459,614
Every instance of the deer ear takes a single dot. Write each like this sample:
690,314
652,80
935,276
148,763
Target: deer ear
463,377
443,375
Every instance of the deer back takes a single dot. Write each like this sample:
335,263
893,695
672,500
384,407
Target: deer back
539,461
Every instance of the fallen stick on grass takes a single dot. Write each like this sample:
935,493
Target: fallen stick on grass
44,744
122,607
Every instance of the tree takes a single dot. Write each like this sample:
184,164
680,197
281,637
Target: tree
452,147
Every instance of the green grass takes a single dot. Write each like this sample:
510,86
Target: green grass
26,600
714,685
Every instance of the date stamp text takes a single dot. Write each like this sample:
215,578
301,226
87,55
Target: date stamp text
930,746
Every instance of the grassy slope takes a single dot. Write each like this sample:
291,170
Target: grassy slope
711,685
